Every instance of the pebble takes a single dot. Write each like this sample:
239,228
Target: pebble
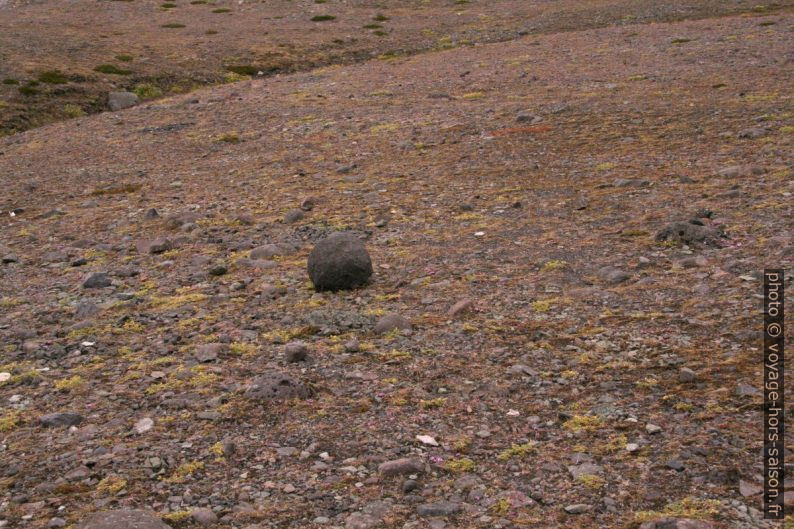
578,508
144,425
686,375
294,215
652,428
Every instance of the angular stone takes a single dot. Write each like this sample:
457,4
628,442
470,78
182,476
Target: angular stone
97,280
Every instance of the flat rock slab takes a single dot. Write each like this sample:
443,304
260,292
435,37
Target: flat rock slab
277,386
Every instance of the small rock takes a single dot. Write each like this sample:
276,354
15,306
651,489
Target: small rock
686,375
675,464
151,214
409,485
690,233
652,428
352,346
203,516
632,447
121,100
277,386
739,171
52,420
294,215
122,519
439,508
359,520
97,280
307,204
268,251
391,322
209,352
528,117
753,133
295,352
144,425
55,523
613,275
154,247
748,489
218,270
460,307
398,467
578,508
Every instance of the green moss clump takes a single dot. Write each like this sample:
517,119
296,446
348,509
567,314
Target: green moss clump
73,111
222,10
10,81
28,90
124,58
380,17
147,91
53,77
173,25
243,69
373,26
323,18
168,5
111,69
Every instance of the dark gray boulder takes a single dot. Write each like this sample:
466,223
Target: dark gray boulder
339,262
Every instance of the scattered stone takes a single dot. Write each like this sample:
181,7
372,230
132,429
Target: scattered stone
203,516
409,485
578,508
154,247
652,428
267,251
740,171
676,523
585,469
277,386
748,489
340,261
10,258
439,508
123,519
151,214
686,375
218,270
460,307
294,215
55,523
391,322
632,447
352,346
612,275
97,280
690,233
675,464
359,520
209,352
307,204
753,133
399,467
144,425
52,420
528,117
121,100
295,352
746,390
427,439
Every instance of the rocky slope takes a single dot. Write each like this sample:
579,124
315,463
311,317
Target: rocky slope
539,345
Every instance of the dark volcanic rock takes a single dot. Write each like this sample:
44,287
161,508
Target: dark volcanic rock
338,262
123,519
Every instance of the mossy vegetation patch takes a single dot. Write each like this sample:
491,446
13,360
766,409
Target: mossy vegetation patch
112,69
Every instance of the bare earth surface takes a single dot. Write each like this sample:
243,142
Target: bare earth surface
600,377
59,60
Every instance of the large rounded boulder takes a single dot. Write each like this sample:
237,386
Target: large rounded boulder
339,262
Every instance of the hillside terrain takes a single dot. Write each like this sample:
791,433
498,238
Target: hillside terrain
567,229
60,63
